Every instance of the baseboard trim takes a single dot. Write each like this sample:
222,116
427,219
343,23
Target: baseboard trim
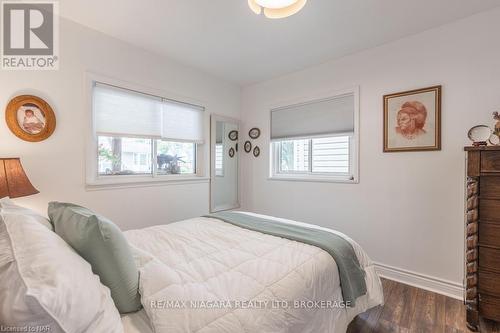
439,286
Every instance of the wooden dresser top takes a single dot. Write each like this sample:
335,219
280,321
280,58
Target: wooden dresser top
481,148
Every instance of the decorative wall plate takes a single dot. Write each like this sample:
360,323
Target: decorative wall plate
231,152
256,151
30,118
248,146
233,135
479,135
254,133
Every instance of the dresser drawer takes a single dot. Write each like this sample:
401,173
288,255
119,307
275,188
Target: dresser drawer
489,283
489,234
490,187
489,259
489,307
489,209
490,161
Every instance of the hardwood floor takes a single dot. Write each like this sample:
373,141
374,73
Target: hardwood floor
411,310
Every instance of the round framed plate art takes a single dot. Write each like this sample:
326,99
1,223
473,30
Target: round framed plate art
233,135
248,146
30,118
254,133
231,152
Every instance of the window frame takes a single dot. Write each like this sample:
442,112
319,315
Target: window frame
95,181
308,176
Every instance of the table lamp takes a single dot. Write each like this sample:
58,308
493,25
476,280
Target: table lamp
13,180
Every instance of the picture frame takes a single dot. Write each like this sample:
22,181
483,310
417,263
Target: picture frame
412,120
256,151
233,135
231,152
248,146
30,118
254,133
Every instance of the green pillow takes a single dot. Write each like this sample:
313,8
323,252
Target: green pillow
102,244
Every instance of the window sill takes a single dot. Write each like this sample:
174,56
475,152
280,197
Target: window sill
103,183
314,179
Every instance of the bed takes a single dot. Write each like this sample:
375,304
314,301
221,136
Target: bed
205,275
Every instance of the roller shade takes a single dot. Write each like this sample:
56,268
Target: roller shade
122,112
323,117
182,122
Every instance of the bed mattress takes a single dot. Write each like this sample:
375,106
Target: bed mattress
204,275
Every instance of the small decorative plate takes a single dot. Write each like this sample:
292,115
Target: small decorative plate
231,152
248,146
254,133
479,134
256,151
233,135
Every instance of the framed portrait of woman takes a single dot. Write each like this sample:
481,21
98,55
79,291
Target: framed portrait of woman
412,120
30,118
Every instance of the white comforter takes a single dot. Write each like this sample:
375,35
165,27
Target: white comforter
203,275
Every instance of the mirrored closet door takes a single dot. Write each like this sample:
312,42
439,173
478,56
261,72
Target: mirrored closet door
224,161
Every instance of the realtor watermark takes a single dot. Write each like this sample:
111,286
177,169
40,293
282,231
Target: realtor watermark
243,305
27,328
30,35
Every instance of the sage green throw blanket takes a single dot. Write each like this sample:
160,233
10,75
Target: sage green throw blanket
352,276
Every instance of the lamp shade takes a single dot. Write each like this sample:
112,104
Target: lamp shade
13,180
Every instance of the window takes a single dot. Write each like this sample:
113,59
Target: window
315,140
294,155
124,156
328,155
331,155
175,157
140,134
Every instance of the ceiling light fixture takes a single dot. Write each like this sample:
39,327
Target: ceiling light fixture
276,9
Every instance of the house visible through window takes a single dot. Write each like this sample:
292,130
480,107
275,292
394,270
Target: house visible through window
315,140
139,134
219,159
328,155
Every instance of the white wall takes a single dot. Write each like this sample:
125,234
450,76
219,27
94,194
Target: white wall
57,166
407,210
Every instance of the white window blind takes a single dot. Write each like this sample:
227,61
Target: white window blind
318,118
122,112
182,122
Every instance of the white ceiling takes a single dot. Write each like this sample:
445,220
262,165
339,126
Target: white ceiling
225,38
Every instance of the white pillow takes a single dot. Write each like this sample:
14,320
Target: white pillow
9,206
45,283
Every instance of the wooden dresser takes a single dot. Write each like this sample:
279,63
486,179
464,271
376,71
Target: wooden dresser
483,235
